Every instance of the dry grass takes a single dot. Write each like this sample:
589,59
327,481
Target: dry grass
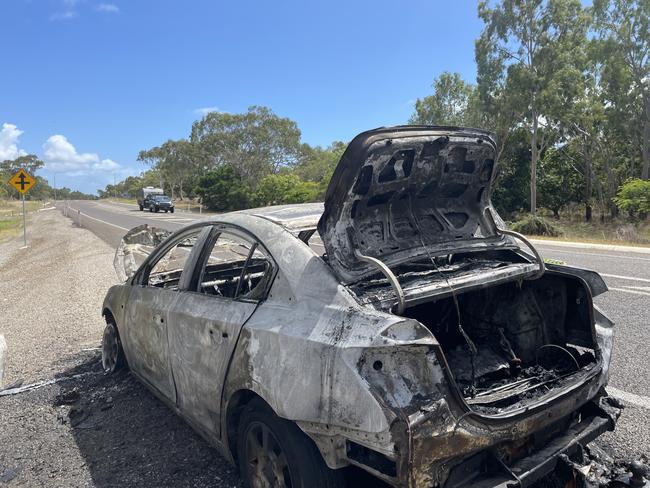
11,217
617,231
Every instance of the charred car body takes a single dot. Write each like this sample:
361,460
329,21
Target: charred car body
419,341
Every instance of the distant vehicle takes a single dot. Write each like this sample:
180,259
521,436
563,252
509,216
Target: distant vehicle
145,194
156,203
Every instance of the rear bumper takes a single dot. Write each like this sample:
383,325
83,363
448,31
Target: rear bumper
488,469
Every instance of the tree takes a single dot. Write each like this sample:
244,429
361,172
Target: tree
453,103
559,180
624,28
529,45
317,164
29,163
177,163
223,189
254,144
152,157
510,192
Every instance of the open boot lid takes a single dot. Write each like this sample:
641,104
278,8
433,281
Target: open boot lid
401,193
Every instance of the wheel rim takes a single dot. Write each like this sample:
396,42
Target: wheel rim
265,458
110,349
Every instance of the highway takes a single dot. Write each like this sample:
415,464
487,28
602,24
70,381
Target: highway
627,274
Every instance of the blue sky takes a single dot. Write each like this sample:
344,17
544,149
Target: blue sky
86,84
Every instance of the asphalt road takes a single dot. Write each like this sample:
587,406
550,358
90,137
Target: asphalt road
627,274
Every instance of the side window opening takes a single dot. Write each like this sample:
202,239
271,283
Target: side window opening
236,268
166,273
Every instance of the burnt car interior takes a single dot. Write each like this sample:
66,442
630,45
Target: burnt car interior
509,344
166,272
235,268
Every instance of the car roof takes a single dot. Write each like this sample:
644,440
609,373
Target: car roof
295,217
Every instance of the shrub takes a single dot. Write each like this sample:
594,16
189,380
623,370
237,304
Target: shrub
278,189
223,190
634,196
536,226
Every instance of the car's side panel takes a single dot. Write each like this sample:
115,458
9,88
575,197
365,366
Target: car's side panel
203,331
145,336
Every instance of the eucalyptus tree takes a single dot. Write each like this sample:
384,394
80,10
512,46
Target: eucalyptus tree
526,49
624,30
453,102
255,143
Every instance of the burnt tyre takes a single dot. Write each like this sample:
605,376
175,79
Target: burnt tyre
274,452
112,353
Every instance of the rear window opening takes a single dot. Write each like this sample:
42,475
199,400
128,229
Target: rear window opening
517,341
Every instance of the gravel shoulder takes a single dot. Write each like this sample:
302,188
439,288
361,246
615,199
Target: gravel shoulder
51,295
91,430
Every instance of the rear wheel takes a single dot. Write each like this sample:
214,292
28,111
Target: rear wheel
172,210
273,452
141,208
151,209
112,353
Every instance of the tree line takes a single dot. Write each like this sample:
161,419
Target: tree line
565,88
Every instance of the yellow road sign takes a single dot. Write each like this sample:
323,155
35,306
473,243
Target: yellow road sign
22,181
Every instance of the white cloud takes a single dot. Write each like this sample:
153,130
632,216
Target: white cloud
108,8
203,111
61,156
106,165
9,136
67,15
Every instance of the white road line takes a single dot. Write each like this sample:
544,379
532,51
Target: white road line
633,292
619,277
99,220
631,398
639,288
586,254
591,245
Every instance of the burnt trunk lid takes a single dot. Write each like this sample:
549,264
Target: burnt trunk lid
400,193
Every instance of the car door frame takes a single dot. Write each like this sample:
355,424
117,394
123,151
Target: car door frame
139,284
220,334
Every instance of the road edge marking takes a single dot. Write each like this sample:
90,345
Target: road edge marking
633,292
588,245
631,398
630,278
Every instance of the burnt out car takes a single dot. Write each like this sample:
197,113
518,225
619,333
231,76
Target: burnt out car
398,327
